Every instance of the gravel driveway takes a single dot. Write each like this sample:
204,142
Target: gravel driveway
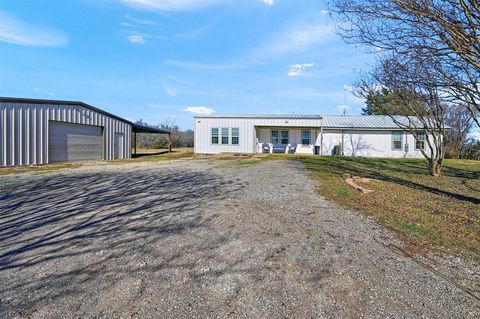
208,239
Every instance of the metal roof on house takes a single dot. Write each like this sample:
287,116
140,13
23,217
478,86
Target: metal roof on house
372,122
135,127
363,121
264,116
334,121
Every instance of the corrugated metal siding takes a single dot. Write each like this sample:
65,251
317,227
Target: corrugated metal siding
24,131
366,121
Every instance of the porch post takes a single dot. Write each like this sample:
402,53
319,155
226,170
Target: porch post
321,140
135,143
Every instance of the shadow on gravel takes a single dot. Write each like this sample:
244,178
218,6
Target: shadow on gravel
59,212
80,223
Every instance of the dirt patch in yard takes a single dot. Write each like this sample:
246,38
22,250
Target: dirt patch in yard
209,239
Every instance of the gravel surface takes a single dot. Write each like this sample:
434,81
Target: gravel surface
209,239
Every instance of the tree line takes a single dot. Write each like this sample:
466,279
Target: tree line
160,141
427,66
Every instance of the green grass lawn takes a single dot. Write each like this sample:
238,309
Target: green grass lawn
437,212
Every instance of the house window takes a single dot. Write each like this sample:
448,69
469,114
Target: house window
235,135
279,137
397,140
284,137
224,135
275,137
420,141
306,137
214,135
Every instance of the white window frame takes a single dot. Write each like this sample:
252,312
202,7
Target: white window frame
288,137
278,136
421,141
222,136
237,136
394,134
212,135
309,137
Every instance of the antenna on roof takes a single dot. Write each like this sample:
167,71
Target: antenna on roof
345,106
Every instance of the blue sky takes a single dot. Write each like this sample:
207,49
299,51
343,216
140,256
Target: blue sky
167,59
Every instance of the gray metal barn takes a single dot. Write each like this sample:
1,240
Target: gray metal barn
34,131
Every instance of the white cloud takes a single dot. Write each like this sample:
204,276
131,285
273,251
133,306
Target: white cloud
178,5
170,92
16,31
170,5
139,21
43,91
324,11
204,110
138,39
298,38
202,66
298,69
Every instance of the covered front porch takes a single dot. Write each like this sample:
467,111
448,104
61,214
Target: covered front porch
288,140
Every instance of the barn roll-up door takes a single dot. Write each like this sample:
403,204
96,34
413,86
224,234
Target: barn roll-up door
74,142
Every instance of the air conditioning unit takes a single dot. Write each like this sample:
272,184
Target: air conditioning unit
337,150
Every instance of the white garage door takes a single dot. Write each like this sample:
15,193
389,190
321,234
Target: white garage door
74,142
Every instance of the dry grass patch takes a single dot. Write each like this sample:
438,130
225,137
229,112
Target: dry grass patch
146,157
37,169
442,213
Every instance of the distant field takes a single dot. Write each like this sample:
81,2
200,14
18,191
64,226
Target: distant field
441,212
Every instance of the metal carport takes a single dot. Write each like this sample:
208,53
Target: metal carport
146,129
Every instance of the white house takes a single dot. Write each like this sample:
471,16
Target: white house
362,135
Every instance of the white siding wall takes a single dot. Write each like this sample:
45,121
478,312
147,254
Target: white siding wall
254,132
203,139
251,131
368,143
24,130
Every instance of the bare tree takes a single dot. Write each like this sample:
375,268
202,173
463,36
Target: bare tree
461,123
178,138
417,100
447,30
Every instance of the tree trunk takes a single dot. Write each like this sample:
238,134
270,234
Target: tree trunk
435,167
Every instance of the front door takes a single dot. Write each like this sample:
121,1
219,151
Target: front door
118,146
